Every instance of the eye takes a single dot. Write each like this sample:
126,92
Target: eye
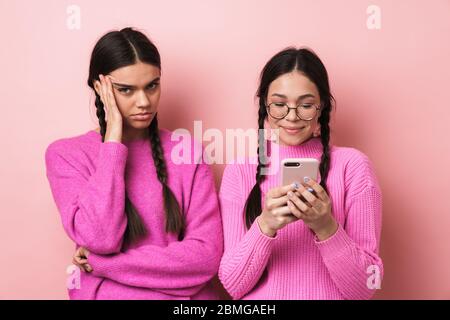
124,90
279,104
153,85
307,105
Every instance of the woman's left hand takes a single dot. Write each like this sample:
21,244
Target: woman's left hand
80,259
314,210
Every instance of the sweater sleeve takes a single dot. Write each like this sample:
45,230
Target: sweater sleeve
246,253
91,206
351,254
183,267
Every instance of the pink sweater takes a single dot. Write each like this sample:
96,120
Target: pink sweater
88,180
294,264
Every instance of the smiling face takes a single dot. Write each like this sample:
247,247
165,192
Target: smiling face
293,89
137,90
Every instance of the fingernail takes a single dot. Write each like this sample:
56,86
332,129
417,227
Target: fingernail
296,185
290,194
310,189
306,179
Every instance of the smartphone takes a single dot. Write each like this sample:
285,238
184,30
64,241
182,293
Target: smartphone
295,169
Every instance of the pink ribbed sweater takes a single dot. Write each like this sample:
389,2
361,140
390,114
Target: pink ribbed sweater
88,180
294,264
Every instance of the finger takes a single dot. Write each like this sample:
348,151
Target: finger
273,203
290,218
300,204
282,211
110,93
82,251
75,262
309,197
299,195
281,191
294,210
104,93
80,260
320,191
88,268
86,253
80,266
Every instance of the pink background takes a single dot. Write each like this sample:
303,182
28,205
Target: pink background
391,86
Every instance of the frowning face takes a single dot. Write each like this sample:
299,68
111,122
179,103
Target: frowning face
137,91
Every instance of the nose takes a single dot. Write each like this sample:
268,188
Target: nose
142,101
292,115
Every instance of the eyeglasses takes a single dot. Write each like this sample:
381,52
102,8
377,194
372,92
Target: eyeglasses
304,111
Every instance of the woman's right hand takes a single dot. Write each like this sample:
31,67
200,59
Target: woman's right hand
113,116
276,213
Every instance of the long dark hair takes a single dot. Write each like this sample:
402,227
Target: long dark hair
118,49
286,61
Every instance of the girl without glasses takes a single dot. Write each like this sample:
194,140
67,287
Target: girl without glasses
313,239
145,228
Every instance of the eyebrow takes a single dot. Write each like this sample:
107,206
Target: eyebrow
128,86
308,95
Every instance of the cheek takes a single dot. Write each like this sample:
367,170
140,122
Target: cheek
124,103
273,123
313,125
309,130
156,95
154,99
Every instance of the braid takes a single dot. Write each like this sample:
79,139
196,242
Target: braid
253,203
174,219
325,138
157,152
135,227
261,147
100,115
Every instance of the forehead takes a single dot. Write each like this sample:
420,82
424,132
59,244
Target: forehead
293,85
138,74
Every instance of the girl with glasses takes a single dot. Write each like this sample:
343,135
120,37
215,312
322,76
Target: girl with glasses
313,239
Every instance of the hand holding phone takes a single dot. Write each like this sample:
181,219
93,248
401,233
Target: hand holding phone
294,170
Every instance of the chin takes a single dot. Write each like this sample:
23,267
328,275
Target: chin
140,125
290,140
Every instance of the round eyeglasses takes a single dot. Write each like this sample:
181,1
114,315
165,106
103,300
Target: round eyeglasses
304,111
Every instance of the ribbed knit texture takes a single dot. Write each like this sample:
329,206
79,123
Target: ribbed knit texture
88,180
294,264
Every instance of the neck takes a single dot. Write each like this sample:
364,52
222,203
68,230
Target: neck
309,148
132,134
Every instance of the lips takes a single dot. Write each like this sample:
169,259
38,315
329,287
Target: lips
142,116
293,130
